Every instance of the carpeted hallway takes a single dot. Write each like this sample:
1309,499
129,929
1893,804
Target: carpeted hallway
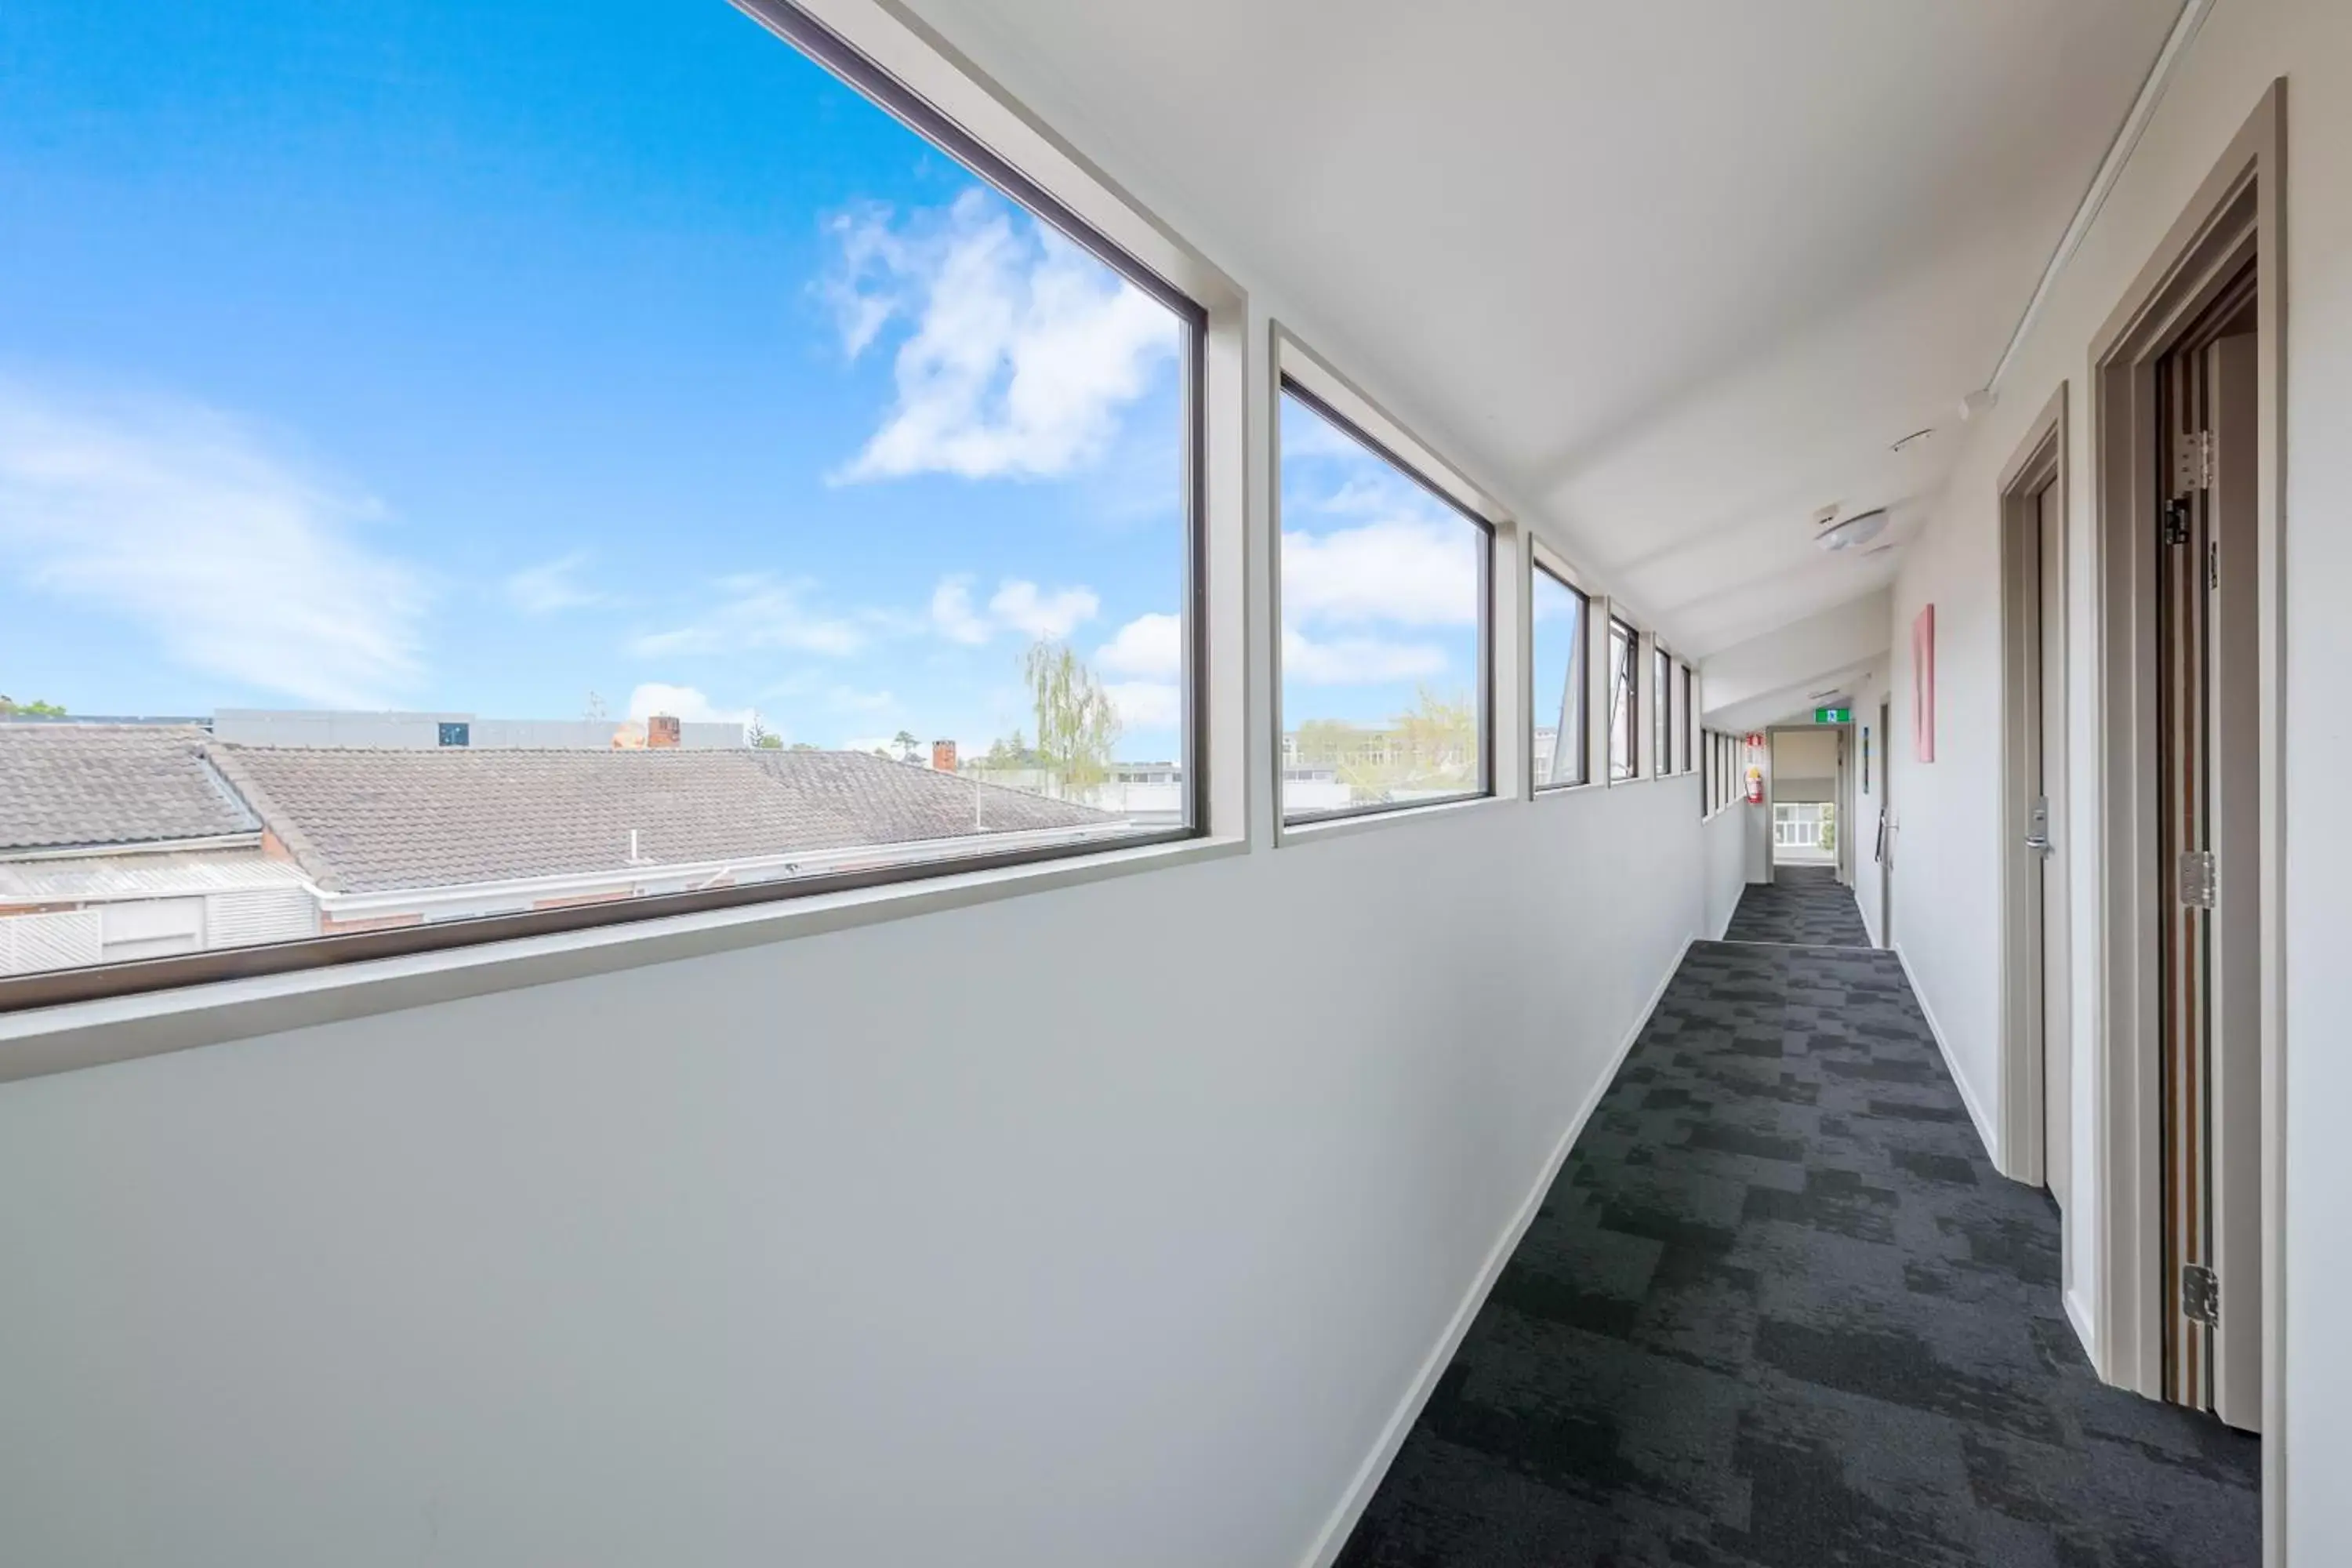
1778,1311
1802,904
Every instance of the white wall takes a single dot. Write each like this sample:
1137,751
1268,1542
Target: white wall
971,1239
1946,895
1725,852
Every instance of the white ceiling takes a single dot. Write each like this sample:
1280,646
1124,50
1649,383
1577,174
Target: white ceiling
1669,276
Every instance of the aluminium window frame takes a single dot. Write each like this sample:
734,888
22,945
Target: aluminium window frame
1322,390
1544,559
1662,710
1625,684
906,74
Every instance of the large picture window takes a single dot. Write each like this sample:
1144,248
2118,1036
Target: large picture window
1386,602
1560,637
1624,702
570,472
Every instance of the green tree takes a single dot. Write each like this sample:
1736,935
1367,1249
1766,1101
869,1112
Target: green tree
906,743
761,737
1439,740
1011,755
35,708
1076,726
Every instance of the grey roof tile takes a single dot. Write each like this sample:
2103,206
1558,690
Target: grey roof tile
64,785
371,821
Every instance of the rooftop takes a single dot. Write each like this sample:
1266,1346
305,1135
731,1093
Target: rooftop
64,786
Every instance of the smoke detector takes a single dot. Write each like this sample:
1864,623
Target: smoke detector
1857,530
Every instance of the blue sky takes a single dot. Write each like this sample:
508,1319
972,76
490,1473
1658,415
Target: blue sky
481,358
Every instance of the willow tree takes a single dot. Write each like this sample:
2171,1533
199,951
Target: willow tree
1077,725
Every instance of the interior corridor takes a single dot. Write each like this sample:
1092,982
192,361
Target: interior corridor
1779,1310
1803,905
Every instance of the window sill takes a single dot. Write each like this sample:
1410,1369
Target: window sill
76,1034
1288,833
1551,792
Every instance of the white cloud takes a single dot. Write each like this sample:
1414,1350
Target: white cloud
1023,351
1024,608
1149,645
757,611
952,615
235,558
552,586
1357,661
1146,704
1410,571
1016,606
685,702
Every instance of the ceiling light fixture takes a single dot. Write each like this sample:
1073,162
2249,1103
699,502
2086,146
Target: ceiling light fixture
1915,436
1853,531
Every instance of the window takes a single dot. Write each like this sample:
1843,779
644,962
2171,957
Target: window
1807,828
1687,756
654,478
1386,602
1662,717
1559,637
1624,700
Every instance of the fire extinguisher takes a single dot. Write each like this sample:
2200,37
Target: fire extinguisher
1755,785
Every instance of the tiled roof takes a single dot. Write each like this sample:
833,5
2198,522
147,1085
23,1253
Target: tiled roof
66,785
371,821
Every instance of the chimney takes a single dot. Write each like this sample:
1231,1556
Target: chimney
943,757
661,731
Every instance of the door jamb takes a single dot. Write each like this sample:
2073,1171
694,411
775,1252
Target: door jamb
2041,458
2237,215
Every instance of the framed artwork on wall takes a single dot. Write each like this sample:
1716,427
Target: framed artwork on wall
1923,683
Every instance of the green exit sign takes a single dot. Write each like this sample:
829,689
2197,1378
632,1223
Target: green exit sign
1832,715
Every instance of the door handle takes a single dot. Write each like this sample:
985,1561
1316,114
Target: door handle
2038,843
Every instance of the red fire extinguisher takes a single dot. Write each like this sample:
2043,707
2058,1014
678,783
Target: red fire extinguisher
1755,785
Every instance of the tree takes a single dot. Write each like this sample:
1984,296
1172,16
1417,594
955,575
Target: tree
1076,726
594,712
759,737
906,743
802,746
1009,756
1439,740
35,708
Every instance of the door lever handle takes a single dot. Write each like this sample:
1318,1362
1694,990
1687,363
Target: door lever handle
2038,843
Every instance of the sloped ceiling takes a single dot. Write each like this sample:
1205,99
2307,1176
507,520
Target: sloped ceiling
1669,277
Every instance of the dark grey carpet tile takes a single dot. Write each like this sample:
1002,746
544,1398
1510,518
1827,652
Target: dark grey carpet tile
1780,1312
1802,906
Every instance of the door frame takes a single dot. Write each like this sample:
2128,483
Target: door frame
2027,952
2235,219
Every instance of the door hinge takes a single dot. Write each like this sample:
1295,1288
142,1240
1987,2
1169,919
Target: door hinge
2176,522
2197,875
2192,461
2201,1295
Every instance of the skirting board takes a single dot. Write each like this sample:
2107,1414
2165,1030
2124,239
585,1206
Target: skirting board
1967,1096
1367,1480
2080,1317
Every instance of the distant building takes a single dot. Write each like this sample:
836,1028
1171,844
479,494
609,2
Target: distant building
434,732
136,841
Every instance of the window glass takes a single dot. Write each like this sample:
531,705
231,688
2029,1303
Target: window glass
564,462
1685,757
1560,637
1384,606
1623,700
1662,730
